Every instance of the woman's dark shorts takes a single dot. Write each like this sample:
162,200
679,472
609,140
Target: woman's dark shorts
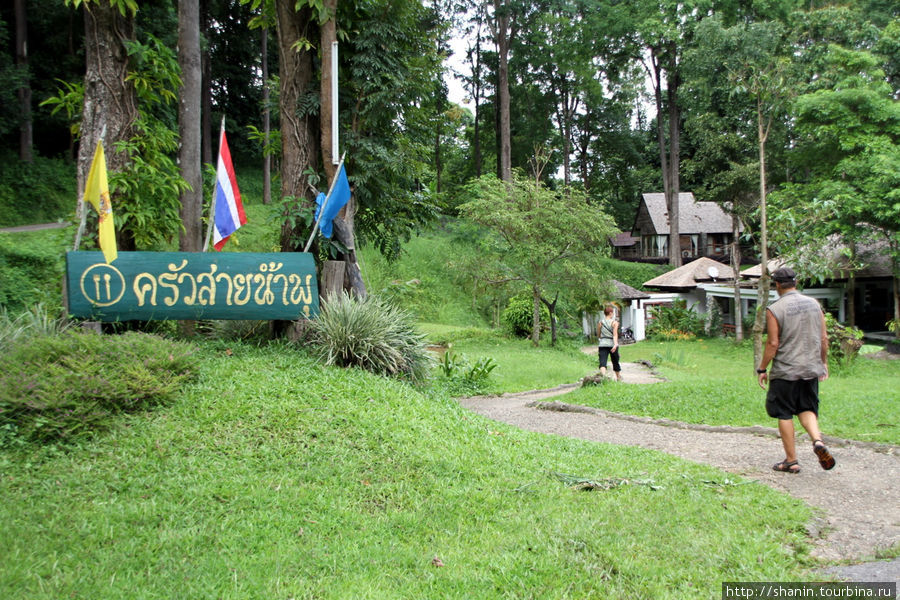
604,353
788,398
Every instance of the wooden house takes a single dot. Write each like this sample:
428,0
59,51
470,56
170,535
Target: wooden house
704,228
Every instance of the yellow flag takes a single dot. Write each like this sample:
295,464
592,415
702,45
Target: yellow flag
96,191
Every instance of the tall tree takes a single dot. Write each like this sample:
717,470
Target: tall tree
110,99
658,33
189,103
848,151
502,23
741,81
24,91
300,140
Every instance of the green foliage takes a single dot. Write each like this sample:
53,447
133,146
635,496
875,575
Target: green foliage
32,265
40,192
124,6
458,377
538,236
370,334
844,341
518,316
390,113
34,322
69,98
62,387
675,322
893,326
149,188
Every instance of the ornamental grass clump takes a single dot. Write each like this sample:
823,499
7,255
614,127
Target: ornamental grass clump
60,387
370,334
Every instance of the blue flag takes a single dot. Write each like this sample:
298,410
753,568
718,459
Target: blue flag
340,195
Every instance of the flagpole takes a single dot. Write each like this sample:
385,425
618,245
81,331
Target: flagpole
337,172
212,203
82,209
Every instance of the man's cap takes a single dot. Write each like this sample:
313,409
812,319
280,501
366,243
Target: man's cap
784,275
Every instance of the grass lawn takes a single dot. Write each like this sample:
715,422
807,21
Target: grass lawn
272,477
712,382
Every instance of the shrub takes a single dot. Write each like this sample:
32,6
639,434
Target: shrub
34,322
60,387
844,341
518,316
370,334
675,322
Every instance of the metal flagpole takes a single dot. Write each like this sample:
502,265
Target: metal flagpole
325,202
212,204
334,102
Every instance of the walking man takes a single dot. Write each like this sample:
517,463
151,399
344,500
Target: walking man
797,347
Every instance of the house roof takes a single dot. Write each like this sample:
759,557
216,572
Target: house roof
624,239
626,292
693,216
874,257
689,275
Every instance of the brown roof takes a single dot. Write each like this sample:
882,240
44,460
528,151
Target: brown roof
689,275
693,216
874,256
626,292
624,239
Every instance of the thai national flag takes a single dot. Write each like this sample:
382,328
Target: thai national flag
229,211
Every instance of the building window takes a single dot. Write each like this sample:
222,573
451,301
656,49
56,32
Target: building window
655,245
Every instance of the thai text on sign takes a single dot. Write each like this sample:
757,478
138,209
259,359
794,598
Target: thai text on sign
192,285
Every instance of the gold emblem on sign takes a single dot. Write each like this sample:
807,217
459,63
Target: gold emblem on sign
102,284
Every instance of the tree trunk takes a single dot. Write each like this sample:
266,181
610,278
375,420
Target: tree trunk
672,200
661,138
736,267
24,92
300,145
206,155
191,237
536,316
501,39
762,296
551,306
267,125
110,102
476,75
895,264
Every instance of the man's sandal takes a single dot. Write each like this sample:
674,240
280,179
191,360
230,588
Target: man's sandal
826,460
786,467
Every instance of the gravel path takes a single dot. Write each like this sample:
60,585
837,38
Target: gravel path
858,499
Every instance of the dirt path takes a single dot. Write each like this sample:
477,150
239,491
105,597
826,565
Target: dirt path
858,499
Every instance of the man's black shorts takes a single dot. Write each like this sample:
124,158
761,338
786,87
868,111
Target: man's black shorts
788,398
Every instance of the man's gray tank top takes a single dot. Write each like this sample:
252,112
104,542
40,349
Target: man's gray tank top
799,353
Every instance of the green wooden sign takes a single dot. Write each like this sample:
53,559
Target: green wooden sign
148,286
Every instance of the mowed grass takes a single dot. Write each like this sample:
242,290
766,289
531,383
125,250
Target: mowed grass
273,477
520,365
713,382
